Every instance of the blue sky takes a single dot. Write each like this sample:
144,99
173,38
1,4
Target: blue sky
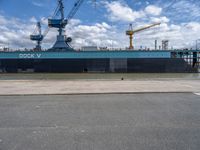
104,23
24,9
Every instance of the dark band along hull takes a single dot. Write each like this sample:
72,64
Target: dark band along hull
97,65
145,62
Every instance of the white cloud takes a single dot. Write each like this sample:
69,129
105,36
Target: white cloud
74,22
103,25
121,12
163,19
186,7
2,20
118,11
83,35
3,40
38,4
15,32
33,20
153,10
147,3
175,27
44,21
193,26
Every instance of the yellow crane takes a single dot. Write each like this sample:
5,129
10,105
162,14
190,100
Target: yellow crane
131,32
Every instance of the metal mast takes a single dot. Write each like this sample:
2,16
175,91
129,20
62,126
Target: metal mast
60,24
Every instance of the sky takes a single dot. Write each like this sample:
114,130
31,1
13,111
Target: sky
103,23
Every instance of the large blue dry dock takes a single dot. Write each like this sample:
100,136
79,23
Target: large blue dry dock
100,61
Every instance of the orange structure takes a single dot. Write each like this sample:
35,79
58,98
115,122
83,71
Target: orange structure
131,32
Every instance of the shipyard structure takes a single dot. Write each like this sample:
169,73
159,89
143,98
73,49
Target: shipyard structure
63,58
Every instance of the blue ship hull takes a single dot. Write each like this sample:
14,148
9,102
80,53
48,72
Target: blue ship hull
101,61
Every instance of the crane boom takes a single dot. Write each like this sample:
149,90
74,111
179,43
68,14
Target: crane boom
144,28
131,32
74,9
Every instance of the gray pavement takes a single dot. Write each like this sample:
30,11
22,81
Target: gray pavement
100,122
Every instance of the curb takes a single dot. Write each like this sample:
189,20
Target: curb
109,93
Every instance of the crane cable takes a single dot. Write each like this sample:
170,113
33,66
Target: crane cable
35,30
70,16
52,16
56,11
77,5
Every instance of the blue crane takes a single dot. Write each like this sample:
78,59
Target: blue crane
37,36
62,42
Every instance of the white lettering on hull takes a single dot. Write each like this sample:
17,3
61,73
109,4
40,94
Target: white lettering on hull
30,56
38,55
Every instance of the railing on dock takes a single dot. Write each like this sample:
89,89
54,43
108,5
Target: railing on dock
192,57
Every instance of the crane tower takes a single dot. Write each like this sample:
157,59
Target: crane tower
62,42
131,32
37,37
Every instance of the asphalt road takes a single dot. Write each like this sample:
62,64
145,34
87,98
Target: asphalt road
100,122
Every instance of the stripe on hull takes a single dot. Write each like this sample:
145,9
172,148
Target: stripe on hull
85,55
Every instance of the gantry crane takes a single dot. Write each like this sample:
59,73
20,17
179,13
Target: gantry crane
131,32
37,36
61,43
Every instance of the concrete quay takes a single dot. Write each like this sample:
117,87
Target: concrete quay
153,114
63,87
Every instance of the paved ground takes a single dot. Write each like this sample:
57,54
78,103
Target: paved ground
100,122
28,87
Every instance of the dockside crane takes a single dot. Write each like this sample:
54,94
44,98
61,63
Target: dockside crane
62,42
131,32
37,36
